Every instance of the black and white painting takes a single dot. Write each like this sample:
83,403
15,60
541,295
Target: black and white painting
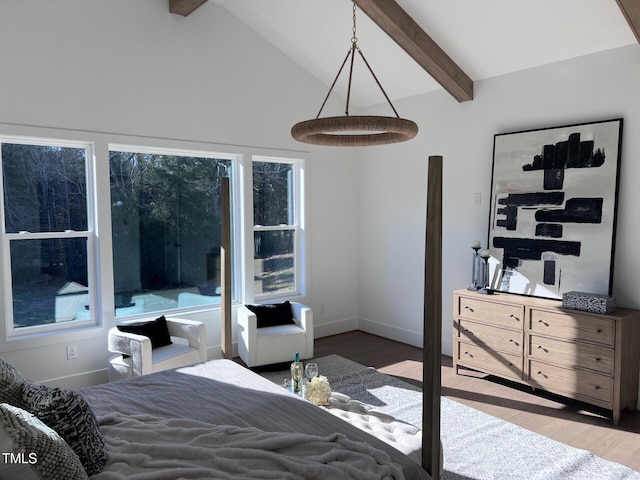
553,209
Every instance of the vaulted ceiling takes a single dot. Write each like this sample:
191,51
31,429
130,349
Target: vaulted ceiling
417,46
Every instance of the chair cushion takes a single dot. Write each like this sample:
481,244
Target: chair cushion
170,351
69,414
272,314
280,330
162,358
156,330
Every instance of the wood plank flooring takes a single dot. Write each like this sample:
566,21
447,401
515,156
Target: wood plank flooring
564,420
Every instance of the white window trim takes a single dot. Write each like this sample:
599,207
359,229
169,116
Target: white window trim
101,265
298,226
235,160
10,333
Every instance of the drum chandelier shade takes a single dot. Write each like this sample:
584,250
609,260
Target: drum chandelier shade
354,131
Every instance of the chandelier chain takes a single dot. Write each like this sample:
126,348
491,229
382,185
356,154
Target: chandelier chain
354,130
354,38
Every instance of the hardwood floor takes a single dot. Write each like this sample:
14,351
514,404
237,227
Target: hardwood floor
573,423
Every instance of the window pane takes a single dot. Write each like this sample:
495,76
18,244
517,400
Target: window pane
274,261
272,193
45,188
166,230
49,281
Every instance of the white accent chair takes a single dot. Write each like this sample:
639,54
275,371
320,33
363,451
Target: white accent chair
189,346
277,344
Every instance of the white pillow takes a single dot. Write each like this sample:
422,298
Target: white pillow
12,469
31,450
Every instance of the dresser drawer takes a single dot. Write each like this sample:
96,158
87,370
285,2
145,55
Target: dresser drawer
494,337
500,314
487,360
570,354
573,326
577,384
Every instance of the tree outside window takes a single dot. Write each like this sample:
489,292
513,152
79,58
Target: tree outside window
46,223
275,227
166,232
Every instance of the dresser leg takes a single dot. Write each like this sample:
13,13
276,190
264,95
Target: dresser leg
616,417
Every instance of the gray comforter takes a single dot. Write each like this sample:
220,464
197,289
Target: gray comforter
220,418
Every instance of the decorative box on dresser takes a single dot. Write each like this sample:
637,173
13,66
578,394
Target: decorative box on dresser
594,358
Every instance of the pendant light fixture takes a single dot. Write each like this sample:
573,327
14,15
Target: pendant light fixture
354,131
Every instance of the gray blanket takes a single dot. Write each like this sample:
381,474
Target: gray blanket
140,446
222,393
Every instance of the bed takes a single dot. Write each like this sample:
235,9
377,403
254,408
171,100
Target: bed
218,419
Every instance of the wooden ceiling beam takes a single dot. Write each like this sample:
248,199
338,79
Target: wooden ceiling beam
397,23
184,7
631,11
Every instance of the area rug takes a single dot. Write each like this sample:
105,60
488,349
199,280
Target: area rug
476,445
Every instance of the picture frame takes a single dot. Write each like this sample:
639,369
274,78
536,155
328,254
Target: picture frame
552,219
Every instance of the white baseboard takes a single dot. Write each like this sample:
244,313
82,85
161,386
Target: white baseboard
84,379
334,328
409,337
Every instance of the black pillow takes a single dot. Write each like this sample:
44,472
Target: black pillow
156,330
69,414
272,314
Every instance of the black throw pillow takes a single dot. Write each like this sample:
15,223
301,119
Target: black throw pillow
273,314
156,330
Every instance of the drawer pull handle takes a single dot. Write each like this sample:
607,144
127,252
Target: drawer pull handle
540,347
467,307
599,330
540,373
598,359
543,322
597,387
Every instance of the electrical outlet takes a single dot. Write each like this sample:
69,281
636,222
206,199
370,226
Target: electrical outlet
72,352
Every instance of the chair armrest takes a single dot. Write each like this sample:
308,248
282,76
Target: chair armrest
247,334
192,330
134,345
303,316
247,319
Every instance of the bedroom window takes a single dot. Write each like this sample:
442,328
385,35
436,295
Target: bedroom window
277,230
47,233
165,216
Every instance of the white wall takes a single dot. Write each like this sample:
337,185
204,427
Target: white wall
392,188
131,67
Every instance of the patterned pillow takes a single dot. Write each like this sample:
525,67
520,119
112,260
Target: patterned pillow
69,414
34,449
10,385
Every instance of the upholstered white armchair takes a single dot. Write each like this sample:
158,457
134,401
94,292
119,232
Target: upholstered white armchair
275,344
189,346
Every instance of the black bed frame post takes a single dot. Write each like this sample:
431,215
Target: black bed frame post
432,348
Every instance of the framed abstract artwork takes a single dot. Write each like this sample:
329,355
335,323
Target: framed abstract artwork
553,209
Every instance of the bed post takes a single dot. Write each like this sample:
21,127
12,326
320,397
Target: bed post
432,336
225,271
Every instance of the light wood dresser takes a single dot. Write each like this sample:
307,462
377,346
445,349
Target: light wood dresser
594,358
